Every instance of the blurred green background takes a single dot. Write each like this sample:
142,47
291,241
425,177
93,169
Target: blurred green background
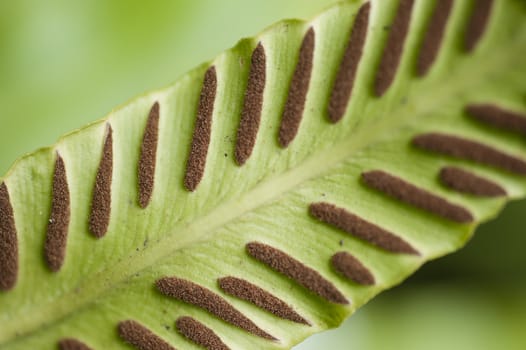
65,63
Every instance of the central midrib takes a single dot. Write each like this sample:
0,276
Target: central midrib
98,286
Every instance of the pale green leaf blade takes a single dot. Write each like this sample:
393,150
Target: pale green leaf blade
202,236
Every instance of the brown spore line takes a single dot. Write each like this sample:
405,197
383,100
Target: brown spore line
351,268
58,225
252,106
140,337
195,166
393,48
200,334
360,228
72,344
478,21
459,147
466,182
247,291
344,82
100,213
199,296
8,242
498,117
296,271
298,88
147,160
408,193
433,36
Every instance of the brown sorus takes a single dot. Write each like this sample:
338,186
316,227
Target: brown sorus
8,242
252,105
393,48
406,192
199,333
101,201
498,117
148,156
298,88
360,228
261,298
433,36
197,295
462,148
72,344
195,166
57,229
467,182
295,270
351,268
344,82
137,335
477,23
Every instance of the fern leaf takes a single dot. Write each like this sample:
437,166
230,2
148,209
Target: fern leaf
269,193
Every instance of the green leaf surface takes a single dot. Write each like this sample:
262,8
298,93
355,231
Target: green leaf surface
202,235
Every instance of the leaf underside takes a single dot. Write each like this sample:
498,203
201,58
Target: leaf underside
266,195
